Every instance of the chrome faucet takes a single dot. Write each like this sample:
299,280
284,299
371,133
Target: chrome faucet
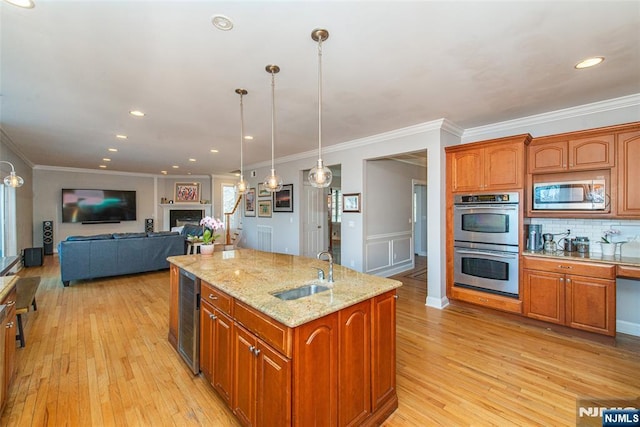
319,256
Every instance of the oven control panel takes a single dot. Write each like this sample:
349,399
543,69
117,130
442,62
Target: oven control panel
486,198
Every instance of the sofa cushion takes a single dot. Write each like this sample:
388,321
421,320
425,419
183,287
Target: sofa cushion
162,233
94,237
128,235
192,230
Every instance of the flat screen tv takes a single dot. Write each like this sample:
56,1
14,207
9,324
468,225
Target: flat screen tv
95,206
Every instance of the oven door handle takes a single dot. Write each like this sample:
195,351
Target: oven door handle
487,254
506,208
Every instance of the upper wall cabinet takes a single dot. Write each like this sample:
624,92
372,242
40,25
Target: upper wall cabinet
551,154
497,164
628,145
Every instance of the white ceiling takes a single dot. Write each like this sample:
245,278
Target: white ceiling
71,71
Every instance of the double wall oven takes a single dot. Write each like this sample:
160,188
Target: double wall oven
486,234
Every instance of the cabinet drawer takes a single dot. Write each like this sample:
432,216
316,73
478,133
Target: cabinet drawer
217,298
590,269
274,333
629,272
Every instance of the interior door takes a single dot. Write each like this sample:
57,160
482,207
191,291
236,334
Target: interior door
314,221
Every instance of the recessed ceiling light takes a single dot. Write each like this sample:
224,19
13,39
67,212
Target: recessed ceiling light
106,159
120,136
27,4
222,22
113,150
103,166
589,62
175,166
163,172
214,150
192,160
136,113
248,137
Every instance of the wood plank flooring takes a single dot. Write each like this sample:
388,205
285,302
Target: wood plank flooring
97,355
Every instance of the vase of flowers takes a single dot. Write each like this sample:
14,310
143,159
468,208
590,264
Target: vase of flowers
608,246
210,225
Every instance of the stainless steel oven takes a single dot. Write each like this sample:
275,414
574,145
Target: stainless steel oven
486,236
492,270
486,218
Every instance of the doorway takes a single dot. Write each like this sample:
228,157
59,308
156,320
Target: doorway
420,218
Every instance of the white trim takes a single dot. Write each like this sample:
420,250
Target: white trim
438,303
110,172
563,114
629,328
389,235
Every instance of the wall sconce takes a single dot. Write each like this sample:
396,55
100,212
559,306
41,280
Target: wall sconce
12,180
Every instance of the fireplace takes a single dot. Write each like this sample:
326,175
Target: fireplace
179,217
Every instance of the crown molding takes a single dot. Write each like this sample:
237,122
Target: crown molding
119,173
6,140
551,116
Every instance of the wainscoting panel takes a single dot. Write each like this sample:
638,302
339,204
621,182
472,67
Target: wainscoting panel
388,254
265,238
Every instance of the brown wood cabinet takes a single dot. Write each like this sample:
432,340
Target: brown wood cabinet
9,341
497,164
628,145
575,294
174,281
571,152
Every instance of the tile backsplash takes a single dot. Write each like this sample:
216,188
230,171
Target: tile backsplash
592,228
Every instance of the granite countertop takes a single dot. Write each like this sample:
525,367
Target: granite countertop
252,276
591,257
6,284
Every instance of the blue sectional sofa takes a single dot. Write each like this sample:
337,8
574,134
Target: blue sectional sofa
90,257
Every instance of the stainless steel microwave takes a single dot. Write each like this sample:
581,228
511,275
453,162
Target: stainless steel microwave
570,195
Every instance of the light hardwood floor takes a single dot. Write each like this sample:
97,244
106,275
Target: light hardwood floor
97,354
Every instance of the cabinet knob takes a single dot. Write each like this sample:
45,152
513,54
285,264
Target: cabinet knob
213,297
9,325
251,348
256,351
396,296
213,317
10,303
561,279
566,267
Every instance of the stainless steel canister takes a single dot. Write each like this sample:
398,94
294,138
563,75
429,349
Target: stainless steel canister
582,245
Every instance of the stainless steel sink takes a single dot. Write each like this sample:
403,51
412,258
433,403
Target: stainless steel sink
301,292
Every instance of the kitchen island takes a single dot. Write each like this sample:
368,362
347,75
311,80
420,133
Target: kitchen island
323,359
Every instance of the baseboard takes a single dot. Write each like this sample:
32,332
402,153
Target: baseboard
628,328
438,303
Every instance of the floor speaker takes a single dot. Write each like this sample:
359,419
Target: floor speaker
148,225
33,257
47,237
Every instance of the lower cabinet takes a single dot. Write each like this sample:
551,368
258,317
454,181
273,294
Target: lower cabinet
216,349
574,294
9,354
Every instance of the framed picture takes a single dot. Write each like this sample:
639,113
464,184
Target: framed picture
351,202
264,208
187,192
250,202
262,191
283,199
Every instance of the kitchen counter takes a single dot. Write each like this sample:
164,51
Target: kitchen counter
574,256
6,284
252,276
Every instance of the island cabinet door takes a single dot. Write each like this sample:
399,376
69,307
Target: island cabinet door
273,387
222,361
315,373
354,365
244,383
207,331
173,306
383,360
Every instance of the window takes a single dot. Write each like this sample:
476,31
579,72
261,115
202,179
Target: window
8,243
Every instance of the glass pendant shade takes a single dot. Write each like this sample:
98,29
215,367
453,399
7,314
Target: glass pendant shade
241,186
320,176
272,182
13,180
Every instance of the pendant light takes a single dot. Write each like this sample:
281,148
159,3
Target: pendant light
273,182
241,186
12,180
320,176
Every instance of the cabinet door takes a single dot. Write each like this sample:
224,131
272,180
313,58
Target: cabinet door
504,166
316,388
244,384
222,363
354,389
173,305
207,336
591,304
3,394
592,153
383,358
628,174
549,157
544,296
467,172
273,387
10,340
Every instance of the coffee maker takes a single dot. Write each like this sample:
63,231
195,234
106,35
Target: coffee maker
534,237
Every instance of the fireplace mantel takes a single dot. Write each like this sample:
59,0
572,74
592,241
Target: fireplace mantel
168,207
